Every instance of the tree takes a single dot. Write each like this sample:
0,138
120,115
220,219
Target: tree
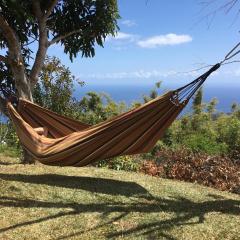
234,107
153,93
55,87
98,107
78,25
211,107
197,101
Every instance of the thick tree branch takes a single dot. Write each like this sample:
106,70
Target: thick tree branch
12,41
51,7
42,43
15,59
59,38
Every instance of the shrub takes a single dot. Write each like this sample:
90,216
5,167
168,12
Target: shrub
228,128
126,163
202,143
9,151
214,171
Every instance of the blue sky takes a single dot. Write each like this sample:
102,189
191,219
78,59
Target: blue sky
159,39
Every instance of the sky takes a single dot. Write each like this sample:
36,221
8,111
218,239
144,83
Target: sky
162,40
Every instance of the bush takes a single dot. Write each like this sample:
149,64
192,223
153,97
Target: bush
228,128
126,163
9,151
215,171
205,144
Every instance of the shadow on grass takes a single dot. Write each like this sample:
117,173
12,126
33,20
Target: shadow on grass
6,163
186,212
95,185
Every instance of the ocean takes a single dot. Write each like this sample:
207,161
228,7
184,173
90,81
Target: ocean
226,95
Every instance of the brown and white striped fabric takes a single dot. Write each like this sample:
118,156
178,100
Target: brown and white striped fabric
72,143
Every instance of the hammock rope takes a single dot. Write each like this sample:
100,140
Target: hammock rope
72,143
232,53
187,91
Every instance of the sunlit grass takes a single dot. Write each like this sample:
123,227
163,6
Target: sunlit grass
12,152
40,202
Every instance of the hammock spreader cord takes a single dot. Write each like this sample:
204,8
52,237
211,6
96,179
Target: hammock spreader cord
186,92
231,53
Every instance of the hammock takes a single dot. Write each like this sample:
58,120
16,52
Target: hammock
72,143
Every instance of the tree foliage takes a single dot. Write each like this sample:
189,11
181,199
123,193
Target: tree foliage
87,21
78,25
197,101
97,107
55,87
55,91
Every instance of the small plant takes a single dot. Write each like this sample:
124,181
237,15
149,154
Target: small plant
9,151
126,163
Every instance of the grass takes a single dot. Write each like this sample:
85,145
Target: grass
41,202
11,152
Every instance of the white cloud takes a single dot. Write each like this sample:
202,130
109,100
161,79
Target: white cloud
125,36
124,39
138,74
121,36
129,23
161,40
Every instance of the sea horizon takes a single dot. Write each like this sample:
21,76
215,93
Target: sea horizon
226,95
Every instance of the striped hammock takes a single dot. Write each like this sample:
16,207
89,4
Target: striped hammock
72,143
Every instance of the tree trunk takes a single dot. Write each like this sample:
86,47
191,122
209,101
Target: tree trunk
15,59
22,83
27,158
24,91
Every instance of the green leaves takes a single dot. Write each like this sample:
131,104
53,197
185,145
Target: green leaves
94,19
55,92
79,25
197,101
55,88
95,108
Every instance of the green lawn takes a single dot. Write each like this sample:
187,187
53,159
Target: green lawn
40,202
